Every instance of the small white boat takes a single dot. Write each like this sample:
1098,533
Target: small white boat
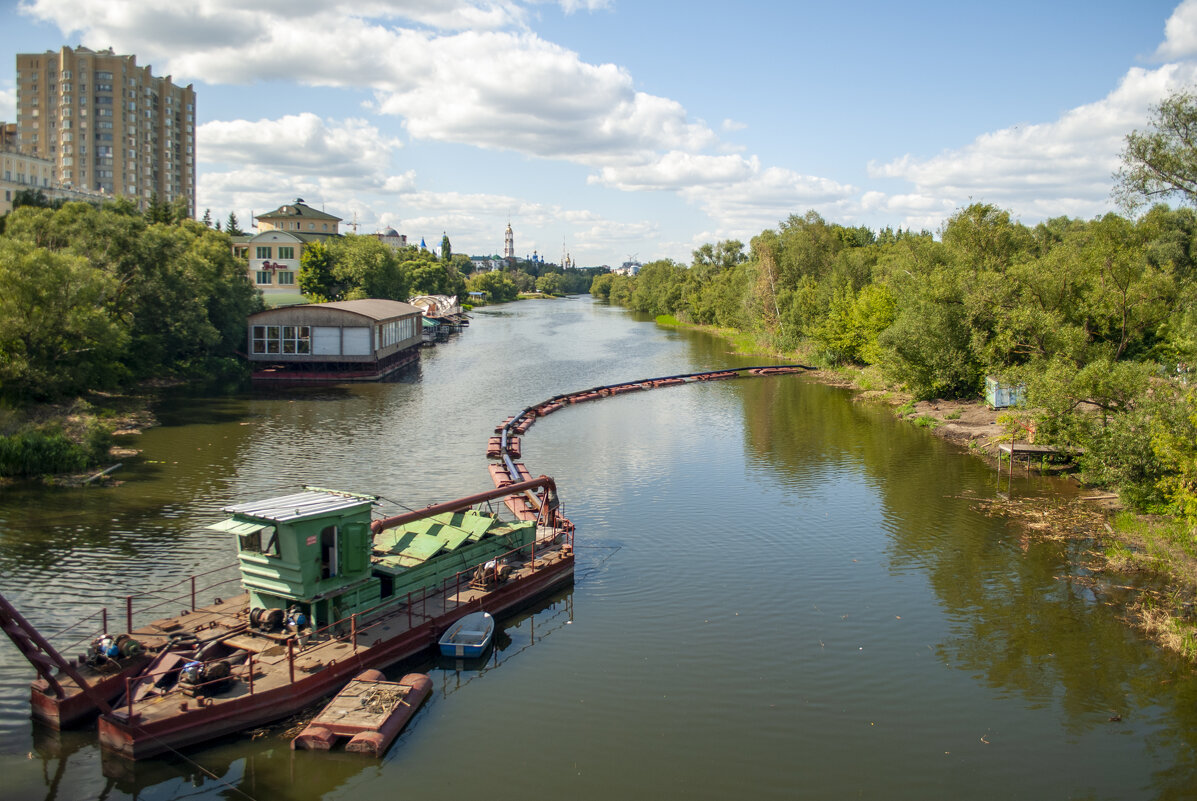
468,636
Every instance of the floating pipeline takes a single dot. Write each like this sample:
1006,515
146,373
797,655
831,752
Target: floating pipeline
506,446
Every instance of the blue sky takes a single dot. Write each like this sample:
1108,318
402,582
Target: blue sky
611,128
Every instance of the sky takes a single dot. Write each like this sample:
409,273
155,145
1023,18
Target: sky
642,129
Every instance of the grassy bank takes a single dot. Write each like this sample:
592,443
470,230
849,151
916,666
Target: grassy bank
66,442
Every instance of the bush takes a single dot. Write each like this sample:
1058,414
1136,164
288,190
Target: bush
37,451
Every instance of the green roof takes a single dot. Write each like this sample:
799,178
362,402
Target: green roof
419,541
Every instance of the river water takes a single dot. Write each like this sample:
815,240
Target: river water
780,593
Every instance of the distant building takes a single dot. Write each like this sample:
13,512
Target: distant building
391,238
274,252
107,125
485,264
509,243
20,172
351,340
628,268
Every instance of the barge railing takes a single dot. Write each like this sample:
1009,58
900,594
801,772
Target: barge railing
190,596
416,607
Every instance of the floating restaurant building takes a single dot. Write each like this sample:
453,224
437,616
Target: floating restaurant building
351,340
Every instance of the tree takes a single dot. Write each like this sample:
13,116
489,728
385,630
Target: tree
1161,162
207,218
446,249
550,284
367,268
316,274
57,336
231,227
496,284
157,211
32,197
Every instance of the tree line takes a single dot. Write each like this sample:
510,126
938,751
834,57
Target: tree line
353,267
1097,319
100,297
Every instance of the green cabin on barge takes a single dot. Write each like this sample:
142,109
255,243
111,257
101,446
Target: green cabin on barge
313,552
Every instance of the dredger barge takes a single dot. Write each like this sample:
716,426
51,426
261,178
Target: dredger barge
329,593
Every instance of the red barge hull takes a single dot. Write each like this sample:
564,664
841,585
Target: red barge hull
138,739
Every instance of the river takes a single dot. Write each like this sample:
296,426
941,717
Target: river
780,593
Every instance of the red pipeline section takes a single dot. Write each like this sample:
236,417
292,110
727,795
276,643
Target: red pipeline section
511,476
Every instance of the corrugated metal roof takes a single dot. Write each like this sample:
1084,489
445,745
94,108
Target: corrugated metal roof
373,307
286,508
235,526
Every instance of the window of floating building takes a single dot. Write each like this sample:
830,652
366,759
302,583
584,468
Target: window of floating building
388,334
286,278
295,339
285,252
264,541
263,252
264,276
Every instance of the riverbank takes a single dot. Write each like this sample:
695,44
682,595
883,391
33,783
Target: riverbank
71,443
1143,565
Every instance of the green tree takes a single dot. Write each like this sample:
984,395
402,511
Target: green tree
1174,445
316,279
32,197
496,284
231,227
367,268
158,212
446,248
57,336
982,237
928,347
550,284
600,287
1161,161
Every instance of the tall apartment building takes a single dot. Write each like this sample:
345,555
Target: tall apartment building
107,124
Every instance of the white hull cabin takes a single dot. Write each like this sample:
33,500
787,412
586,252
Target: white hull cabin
351,340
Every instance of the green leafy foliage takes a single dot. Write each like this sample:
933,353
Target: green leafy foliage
41,450
497,285
94,297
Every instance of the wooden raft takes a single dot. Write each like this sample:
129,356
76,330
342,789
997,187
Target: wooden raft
370,711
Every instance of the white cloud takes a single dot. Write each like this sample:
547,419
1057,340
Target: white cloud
729,125
501,90
1045,169
156,27
677,170
301,143
570,6
8,104
485,87
745,207
1180,33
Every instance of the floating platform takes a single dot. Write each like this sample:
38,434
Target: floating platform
370,711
